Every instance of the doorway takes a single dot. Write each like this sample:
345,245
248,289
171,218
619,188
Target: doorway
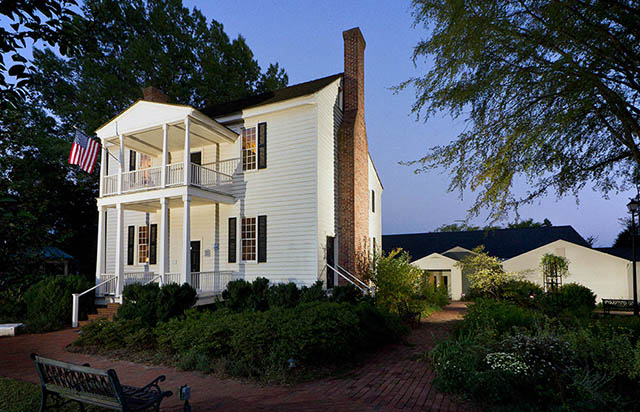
195,256
330,261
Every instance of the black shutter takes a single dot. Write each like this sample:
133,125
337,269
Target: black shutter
262,238
233,242
131,238
373,201
153,244
132,160
262,145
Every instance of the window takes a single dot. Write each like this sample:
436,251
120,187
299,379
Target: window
249,155
131,239
249,239
373,201
143,244
132,160
145,161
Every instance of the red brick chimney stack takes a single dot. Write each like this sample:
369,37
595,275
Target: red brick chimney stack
353,157
151,94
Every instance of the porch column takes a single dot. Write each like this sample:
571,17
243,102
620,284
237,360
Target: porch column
119,257
187,152
186,240
103,167
164,236
100,258
165,154
121,137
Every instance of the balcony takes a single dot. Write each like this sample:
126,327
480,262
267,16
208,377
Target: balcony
216,176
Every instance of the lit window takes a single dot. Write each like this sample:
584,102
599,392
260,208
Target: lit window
249,238
145,163
249,156
143,244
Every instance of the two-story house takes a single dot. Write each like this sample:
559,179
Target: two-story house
279,185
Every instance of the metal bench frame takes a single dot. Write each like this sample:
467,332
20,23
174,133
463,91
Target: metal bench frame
617,304
407,315
64,382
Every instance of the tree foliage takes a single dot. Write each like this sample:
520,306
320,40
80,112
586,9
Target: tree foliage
51,21
396,280
485,273
464,227
551,90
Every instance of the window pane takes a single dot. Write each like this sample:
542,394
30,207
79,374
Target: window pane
249,238
249,155
143,244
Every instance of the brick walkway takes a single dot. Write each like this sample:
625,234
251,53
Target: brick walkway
392,380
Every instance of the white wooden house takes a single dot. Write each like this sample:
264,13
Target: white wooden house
279,185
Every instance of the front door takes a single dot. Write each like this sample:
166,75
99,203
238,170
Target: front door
330,261
195,256
196,159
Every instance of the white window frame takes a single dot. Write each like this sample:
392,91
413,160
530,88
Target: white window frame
255,239
138,244
242,149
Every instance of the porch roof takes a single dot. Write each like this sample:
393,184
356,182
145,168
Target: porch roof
142,124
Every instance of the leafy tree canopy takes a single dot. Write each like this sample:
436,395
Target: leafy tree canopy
624,237
551,90
133,44
485,272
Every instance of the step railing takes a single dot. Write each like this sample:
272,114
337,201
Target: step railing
350,278
172,278
214,281
76,298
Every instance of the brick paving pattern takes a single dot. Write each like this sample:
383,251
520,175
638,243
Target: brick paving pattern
393,379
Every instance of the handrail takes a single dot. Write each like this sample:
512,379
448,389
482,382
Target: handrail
352,276
364,289
76,300
152,279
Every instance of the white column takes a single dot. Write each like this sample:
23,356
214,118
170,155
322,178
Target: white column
165,153
103,168
187,152
186,240
100,259
163,247
119,256
121,137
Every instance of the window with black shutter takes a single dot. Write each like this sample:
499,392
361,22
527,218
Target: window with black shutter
153,244
262,238
262,145
373,201
233,243
131,239
132,160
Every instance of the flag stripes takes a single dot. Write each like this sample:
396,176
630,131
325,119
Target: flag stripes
84,152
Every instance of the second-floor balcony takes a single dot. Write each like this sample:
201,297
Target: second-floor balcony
217,176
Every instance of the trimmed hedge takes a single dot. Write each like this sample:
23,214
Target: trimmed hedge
151,304
49,302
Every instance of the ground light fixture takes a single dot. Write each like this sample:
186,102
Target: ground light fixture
633,209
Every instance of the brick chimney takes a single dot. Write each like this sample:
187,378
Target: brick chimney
353,157
151,94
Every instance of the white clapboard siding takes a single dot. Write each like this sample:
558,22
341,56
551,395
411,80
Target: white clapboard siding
375,218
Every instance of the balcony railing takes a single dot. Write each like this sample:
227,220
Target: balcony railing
151,178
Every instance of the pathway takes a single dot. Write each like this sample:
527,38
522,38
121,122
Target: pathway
392,380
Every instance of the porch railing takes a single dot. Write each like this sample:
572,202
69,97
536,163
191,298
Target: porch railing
204,177
228,167
172,278
211,281
110,185
138,277
142,179
175,174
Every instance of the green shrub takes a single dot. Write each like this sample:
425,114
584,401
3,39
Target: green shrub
49,302
438,297
152,304
521,292
284,295
313,293
396,279
106,334
237,295
498,316
576,298
346,294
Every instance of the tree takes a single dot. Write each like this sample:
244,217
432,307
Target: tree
396,280
50,21
134,44
624,237
456,227
485,272
523,224
551,90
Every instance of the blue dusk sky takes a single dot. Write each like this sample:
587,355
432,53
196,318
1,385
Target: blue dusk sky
305,37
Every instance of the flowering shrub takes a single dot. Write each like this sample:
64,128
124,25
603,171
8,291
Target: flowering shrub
507,362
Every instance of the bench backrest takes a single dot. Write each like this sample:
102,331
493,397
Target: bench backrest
95,386
618,303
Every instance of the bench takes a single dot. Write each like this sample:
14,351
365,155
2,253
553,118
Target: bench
86,385
407,315
625,305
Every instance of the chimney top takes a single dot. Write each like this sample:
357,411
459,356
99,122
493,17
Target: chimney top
151,94
354,46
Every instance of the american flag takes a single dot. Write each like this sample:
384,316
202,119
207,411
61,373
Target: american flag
84,152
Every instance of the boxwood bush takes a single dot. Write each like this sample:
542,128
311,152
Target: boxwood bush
49,302
152,304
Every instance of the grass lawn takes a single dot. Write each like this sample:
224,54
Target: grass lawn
19,396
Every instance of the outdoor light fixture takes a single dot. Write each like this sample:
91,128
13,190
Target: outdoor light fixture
185,395
633,209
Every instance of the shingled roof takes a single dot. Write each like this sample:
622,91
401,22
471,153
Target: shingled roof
502,243
297,90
